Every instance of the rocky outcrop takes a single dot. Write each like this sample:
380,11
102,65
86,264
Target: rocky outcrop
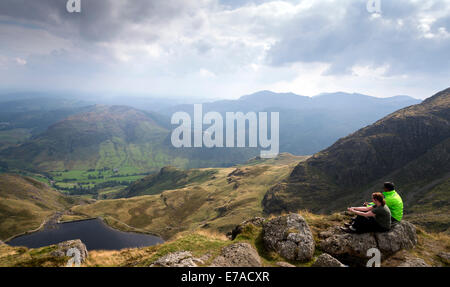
445,257
402,236
237,255
256,221
289,236
72,248
414,262
178,259
326,260
353,248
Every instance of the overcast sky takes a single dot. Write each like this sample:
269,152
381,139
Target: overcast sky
226,48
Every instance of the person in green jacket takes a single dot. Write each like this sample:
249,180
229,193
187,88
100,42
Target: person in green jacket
393,201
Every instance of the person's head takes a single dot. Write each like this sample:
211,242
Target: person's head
389,186
378,199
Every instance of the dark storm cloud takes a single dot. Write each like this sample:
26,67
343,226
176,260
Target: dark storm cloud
100,20
354,37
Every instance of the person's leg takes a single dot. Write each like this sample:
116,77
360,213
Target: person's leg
361,224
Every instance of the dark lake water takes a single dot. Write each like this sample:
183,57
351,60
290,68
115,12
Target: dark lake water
94,233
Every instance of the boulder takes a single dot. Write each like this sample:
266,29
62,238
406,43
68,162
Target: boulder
289,236
402,236
414,262
70,249
352,248
237,255
445,257
326,260
284,264
177,259
256,221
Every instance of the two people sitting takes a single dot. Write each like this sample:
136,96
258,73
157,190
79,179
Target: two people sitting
377,216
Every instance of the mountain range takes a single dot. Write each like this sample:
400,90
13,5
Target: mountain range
56,135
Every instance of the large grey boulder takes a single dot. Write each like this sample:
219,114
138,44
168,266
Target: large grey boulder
178,259
72,248
326,260
237,255
402,236
289,236
353,248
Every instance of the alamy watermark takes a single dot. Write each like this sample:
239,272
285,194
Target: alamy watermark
375,260
374,6
75,259
213,136
73,6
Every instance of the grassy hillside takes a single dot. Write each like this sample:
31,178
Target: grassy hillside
25,203
166,179
410,147
224,199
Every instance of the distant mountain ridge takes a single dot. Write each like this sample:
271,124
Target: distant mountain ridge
112,137
310,124
410,147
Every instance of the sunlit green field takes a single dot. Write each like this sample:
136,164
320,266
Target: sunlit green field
89,179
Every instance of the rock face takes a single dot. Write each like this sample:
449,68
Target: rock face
445,257
237,255
401,236
284,264
256,221
353,248
178,259
289,236
326,260
67,248
414,262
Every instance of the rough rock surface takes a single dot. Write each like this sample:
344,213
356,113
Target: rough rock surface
414,262
284,264
289,236
326,260
237,255
65,246
177,259
445,257
353,247
256,221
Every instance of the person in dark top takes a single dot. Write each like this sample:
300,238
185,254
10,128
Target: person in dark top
393,201
375,218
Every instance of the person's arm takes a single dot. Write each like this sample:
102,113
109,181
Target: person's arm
365,214
362,208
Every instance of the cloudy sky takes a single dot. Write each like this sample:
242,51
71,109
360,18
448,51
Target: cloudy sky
226,48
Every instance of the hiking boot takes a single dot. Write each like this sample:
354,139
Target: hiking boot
349,229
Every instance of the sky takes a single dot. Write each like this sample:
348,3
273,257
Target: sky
225,48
